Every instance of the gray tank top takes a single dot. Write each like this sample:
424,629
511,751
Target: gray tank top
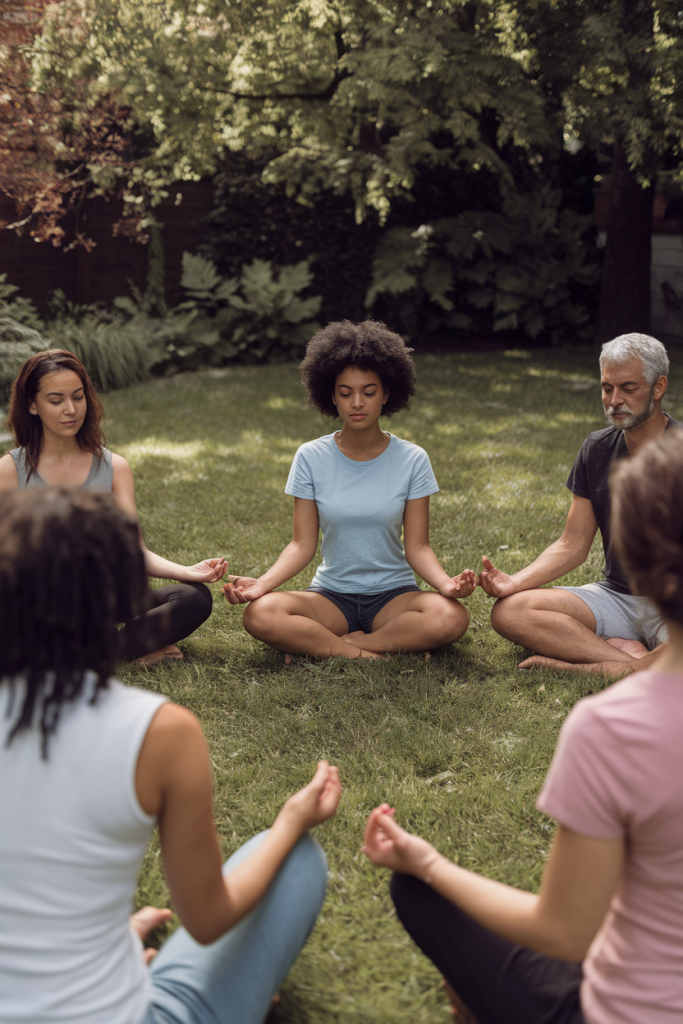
100,477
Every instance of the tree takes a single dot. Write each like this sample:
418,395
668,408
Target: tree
59,146
360,95
612,73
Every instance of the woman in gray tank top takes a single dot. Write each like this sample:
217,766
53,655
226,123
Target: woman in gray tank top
55,415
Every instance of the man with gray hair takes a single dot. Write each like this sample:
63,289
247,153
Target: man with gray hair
599,627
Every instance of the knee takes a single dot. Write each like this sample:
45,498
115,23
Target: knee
406,892
506,612
305,872
258,615
197,602
449,622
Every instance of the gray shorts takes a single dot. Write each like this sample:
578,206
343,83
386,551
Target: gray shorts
622,615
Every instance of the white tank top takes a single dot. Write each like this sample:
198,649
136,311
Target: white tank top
72,837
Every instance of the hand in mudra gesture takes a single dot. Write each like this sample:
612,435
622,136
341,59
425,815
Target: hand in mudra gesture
241,589
495,582
460,586
208,571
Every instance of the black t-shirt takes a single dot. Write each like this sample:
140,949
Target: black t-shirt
589,478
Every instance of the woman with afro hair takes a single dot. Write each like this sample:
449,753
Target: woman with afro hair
362,487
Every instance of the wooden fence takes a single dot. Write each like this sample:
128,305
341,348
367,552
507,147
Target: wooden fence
105,272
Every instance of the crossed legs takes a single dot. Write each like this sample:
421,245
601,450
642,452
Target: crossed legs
304,622
561,629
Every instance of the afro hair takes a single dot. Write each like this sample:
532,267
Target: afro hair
369,345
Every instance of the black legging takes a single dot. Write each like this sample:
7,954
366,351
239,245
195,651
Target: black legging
174,613
498,981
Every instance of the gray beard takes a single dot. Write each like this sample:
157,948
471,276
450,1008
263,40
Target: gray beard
633,420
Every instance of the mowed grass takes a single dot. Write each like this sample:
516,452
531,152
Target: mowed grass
458,743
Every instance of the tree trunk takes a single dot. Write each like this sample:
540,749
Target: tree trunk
625,289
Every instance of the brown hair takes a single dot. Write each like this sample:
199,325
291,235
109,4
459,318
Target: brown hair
71,568
647,521
27,429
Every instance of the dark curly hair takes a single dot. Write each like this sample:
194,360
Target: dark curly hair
647,521
27,429
71,569
369,345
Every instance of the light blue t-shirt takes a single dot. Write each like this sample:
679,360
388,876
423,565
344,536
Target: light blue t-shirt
360,507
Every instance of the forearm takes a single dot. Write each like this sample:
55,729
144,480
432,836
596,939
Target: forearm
423,561
557,560
292,560
163,568
511,913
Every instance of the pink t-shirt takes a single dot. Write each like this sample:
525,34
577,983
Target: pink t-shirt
618,771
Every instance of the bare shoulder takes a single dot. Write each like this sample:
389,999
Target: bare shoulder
172,753
120,466
9,479
173,724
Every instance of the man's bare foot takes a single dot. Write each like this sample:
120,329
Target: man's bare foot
170,651
632,647
605,668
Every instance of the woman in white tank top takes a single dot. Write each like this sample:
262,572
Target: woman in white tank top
55,415
89,766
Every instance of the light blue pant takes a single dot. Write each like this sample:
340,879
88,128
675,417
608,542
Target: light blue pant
233,980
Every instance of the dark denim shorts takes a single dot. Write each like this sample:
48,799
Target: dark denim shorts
360,609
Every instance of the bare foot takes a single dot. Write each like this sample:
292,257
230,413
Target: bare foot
171,651
606,668
362,651
288,659
632,647
364,641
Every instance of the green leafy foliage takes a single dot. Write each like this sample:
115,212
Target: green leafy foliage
17,307
118,347
18,342
531,268
260,315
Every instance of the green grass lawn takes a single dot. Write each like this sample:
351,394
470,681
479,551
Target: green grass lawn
460,742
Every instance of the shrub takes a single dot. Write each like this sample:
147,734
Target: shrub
17,344
19,309
255,317
118,347
253,219
532,268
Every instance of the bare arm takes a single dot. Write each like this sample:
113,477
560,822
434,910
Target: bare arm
290,562
565,554
208,571
173,782
562,920
421,557
9,479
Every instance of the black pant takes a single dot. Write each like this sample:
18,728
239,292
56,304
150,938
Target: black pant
499,982
173,614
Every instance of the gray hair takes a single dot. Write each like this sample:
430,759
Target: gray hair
651,353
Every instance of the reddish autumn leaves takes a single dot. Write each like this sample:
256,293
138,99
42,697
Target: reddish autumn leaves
56,150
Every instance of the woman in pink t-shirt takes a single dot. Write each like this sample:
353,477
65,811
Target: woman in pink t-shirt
603,940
